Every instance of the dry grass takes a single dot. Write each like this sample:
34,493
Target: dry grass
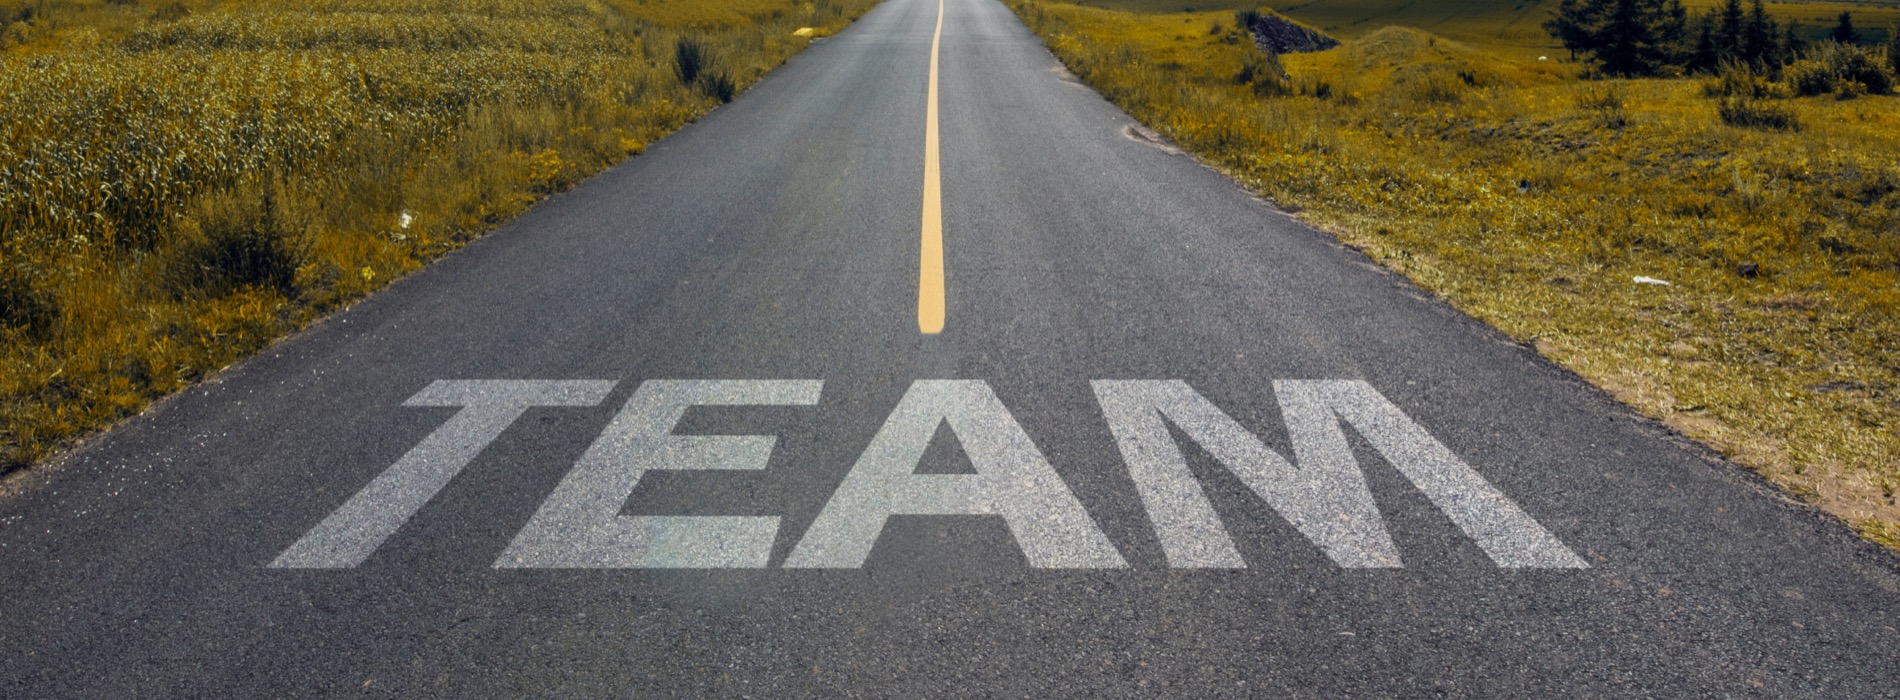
180,184
1503,26
1530,199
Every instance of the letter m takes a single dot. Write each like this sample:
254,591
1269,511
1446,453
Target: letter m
1325,496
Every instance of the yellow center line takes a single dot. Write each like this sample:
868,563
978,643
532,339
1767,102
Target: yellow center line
930,271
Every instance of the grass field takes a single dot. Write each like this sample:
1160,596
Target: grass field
1532,199
1496,24
182,183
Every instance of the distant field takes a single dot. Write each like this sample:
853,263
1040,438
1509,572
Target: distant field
1513,22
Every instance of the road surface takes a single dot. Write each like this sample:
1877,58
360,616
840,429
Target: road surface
682,432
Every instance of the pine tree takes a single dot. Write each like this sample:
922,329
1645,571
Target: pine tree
1893,49
1674,31
1792,45
1624,37
1728,31
1844,32
1574,24
1758,36
1631,42
1705,57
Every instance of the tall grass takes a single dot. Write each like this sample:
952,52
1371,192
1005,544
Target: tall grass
1531,198
181,183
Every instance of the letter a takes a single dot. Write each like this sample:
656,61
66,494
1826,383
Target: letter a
1012,479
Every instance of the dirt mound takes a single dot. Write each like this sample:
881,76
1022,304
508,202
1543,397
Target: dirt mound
1279,35
1391,47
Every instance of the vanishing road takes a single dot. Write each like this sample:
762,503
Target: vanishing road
902,378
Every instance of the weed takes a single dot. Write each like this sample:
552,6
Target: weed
1261,71
248,236
1737,79
1247,17
1432,83
718,85
1748,112
1607,103
170,12
689,58
25,305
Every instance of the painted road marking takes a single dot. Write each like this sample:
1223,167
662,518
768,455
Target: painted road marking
355,530
930,303
1012,479
1321,491
580,526
1326,497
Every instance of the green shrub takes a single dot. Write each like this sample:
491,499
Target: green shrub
1246,17
1430,83
1263,72
245,237
170,12
690,58
1755,114
1738,79
1607,103
1839,69
24,303
718,85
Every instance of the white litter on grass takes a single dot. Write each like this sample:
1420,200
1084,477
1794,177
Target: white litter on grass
803,31
405,220
1649,280
1543,58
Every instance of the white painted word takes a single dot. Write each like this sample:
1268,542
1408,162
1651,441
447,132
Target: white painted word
1321,491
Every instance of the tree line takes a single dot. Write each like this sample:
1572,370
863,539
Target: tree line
1630,38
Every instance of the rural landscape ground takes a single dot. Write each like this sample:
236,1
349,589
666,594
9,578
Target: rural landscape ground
1038,348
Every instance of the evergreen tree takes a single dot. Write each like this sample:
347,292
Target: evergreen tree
1893,49
1632,42
1758,36
1704,57
1792,45
1623,37
1674,31
1573,24
1844,32
1728,31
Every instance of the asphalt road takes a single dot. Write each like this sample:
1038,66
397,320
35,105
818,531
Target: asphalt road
1169,442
